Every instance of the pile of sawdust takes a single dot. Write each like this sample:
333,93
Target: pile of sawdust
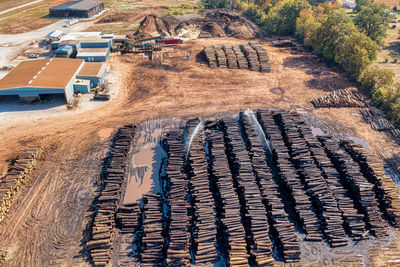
216,22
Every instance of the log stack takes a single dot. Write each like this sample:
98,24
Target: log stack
128,218
113,176
178,250
18,175
241,59
340,98
251,56
283,231
153,240
210,55
235,233
376,119
205,232
230,56
221,57
262,56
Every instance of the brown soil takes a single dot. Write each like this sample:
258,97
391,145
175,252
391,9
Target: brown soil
218,23
47,224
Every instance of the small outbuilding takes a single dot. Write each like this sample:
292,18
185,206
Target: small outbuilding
78,9
95,72
94,54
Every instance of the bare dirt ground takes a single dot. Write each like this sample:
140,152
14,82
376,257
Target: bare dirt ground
46,226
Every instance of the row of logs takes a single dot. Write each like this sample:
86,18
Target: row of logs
101,238
283,231
18,175
340,98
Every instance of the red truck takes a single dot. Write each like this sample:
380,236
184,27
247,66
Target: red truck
169,41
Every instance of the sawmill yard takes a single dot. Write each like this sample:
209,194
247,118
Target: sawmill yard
189,164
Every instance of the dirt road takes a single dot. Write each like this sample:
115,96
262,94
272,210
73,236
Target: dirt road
51,220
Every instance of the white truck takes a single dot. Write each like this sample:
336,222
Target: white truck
71,22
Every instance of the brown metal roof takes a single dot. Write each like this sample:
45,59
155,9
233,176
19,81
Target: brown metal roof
95,69
49,73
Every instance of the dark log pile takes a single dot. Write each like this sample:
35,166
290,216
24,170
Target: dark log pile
128,218
179,237
152,240
262,56
221,57
231,220
250,56
18,174
282,230
340,98
386,190
100,243
256,215
358,186
353,219
376,119
210,55
205,232
230,56
290,180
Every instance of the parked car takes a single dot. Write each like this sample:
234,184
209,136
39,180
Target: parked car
33,55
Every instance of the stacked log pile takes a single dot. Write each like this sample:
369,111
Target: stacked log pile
100,245
210,55
376,119
357,185
340,98
317,188
386,190
251,56
230,56
290,180
128,218
18,175
152,240
285,235
248,56
221,57
240,58
256,215
351,216
205,231
262,56
232,221
179,237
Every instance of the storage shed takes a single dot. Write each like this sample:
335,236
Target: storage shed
94,54
64,51
79,9
82,86
33,78
95,72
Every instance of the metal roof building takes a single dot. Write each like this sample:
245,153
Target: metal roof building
94,54
33,78
80,9
95,72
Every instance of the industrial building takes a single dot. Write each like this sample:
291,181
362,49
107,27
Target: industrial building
94,72
90,46
35,78
79,9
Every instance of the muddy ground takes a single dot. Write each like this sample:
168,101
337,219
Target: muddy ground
47,224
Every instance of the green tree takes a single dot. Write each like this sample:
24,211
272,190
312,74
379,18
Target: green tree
334,28
373,19
360,3
281,18
355,53
306,26
373,78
